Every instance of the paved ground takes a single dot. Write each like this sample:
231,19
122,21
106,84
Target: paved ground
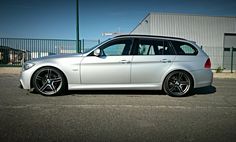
107,116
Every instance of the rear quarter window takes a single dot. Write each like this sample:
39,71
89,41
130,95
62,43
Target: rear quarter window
183,48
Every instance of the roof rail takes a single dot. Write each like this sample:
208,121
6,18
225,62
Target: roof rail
136,35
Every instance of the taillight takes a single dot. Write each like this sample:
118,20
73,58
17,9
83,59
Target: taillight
208,64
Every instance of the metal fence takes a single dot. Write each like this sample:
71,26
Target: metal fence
222,58
216,56
14,51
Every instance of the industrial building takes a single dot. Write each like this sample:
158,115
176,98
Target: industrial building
212,33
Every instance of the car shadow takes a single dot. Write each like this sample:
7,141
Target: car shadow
204,90
116,92
199,91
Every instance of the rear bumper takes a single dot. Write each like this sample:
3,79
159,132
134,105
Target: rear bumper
203,78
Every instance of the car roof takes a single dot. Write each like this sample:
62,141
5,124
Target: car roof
148,36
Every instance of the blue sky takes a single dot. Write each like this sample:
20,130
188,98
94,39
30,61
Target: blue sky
55,19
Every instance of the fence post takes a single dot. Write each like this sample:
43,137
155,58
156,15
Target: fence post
232,59
83,45
80,44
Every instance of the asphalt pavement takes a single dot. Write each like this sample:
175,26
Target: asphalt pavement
117,116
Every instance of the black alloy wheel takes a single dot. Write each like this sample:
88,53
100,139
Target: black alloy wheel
49,81
178,84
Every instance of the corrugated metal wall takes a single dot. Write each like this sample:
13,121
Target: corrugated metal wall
207,31
143,27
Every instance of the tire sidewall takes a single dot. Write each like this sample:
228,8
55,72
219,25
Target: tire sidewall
61,91
165,87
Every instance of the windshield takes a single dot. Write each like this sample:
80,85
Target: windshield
87,50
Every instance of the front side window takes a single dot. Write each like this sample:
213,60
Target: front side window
117,48
183,48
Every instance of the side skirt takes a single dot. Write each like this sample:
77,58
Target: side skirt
114,87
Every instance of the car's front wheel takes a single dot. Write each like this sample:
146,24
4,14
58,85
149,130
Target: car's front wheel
178,84
49,81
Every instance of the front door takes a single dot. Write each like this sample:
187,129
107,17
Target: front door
111,67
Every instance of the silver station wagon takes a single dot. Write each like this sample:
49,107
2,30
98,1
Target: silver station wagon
126,62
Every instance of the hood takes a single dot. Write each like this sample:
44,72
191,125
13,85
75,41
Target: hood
56,57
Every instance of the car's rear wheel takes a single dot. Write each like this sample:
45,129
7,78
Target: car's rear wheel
49,81
178,84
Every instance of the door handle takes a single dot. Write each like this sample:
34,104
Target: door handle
124,61
165,61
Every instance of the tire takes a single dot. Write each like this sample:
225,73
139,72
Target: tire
178,84
49,81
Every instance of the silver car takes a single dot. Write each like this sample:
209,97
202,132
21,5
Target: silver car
127,62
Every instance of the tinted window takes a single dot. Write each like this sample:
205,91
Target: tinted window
159,50
153,47
183,48
167,49
117,48
146,47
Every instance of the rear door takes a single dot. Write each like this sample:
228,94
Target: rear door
152,58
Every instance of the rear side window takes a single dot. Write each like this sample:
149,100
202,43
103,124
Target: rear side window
153,47
183,48
167,49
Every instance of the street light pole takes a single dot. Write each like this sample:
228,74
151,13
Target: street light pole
78,50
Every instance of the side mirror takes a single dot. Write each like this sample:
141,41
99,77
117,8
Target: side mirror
97,52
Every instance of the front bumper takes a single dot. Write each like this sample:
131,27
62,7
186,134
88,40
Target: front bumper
20,86
25,78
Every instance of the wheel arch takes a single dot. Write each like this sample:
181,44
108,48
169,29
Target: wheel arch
31,79
183,70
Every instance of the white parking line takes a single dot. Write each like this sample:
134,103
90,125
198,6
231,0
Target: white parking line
116,106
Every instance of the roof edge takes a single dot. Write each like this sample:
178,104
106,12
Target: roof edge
190,14
152,36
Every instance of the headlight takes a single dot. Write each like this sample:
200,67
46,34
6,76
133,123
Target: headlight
27,66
